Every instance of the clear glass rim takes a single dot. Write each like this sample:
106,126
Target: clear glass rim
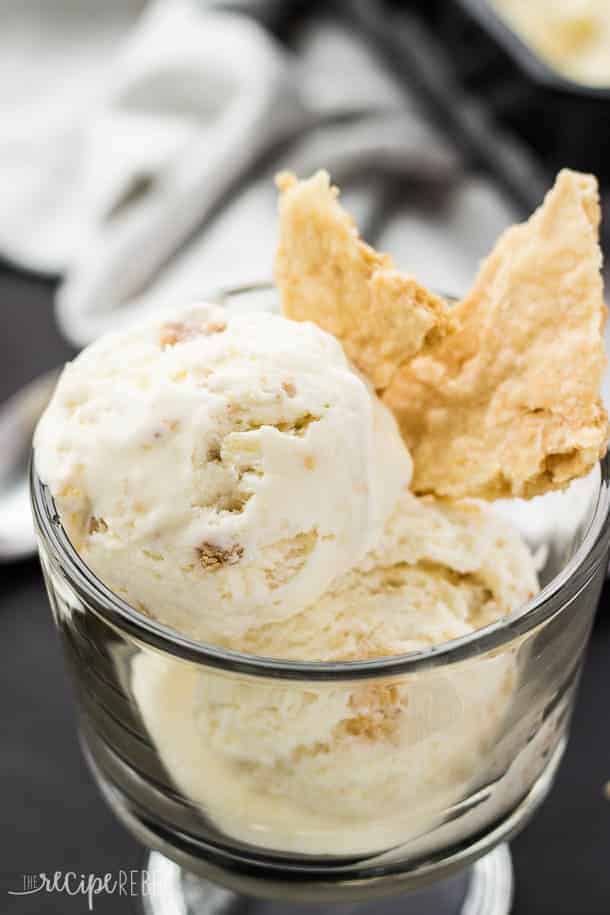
549,601
556,595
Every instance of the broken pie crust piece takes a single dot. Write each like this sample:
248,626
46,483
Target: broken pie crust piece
327,275
495,397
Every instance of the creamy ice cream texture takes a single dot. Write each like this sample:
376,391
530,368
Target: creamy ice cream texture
238,479
349,769
220,471
235,478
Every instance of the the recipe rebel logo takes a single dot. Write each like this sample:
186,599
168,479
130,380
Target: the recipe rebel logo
126,883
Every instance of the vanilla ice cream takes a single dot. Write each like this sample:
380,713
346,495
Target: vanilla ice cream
344,768
220,471
235,478
573,36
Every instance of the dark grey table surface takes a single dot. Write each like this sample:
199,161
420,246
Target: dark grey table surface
52,815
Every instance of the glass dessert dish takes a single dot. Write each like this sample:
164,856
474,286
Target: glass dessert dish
424,812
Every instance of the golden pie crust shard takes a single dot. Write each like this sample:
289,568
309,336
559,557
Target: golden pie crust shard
497,396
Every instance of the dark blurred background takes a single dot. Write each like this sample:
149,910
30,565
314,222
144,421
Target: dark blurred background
443,127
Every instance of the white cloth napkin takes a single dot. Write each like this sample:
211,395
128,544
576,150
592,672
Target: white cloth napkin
139,144
56,61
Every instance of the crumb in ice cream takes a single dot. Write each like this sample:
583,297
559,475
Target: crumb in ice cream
214,557
173,332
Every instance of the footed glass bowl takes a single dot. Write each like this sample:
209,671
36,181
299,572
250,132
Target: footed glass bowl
214,759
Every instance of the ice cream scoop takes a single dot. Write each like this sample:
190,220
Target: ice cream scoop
220,471
350,768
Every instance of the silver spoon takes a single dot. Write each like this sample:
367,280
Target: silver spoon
18,418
